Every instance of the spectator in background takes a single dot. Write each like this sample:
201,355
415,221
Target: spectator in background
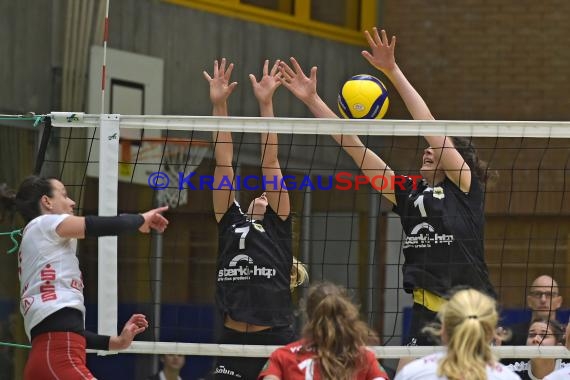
564,372
171,366
542,332
543,299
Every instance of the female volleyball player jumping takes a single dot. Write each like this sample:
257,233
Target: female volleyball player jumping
442,216
51,282
468,325
334,343
255,266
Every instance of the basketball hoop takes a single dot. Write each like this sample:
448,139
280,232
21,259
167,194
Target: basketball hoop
170,156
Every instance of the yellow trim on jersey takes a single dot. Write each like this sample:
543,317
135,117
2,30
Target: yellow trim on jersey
429,300
300,21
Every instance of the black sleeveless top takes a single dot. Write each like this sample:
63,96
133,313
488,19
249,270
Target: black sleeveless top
444,230
254,268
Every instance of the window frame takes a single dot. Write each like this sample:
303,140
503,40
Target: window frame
300,21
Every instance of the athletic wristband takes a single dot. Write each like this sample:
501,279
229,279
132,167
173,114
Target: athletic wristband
96,341
112,225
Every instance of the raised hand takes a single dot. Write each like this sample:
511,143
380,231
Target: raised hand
134,326
295,80
265,88
220,86
382,56
154,220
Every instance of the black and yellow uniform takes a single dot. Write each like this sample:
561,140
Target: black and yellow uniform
253,285
443,248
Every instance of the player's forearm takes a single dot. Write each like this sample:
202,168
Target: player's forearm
117,343
97,342
223,148
266,109
269,150
220,109
319,108
413,100
78,227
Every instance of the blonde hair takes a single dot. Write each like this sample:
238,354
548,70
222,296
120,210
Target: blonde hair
299,274
469,321
335,333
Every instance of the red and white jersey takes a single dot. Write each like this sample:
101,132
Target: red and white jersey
50,278
292,362
426,369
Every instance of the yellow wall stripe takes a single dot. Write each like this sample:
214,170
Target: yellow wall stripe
300,22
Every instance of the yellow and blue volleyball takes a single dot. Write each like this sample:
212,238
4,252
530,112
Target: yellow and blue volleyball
363,97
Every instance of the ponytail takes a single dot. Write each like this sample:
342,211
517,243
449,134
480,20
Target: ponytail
469,321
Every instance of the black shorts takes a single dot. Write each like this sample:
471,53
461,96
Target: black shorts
421,316
229,367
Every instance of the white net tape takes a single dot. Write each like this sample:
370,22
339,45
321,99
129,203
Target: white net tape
539,129
381,352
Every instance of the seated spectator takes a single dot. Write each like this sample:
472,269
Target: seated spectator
542,332
333,345
564,372
171,367
468,324
543,299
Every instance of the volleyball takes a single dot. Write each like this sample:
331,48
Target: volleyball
363,97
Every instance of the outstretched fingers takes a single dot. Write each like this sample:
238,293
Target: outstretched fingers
390,43
369,39
222,68
275,68
377,39
266,67
296,66
286,69
216,67
207,76
253,79
313,75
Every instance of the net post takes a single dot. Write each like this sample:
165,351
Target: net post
107,313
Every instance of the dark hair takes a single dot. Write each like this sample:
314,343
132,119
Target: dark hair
29,194
558,329
335,332
466,149
7,202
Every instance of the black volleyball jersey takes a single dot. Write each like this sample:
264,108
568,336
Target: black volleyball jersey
254,268
444,229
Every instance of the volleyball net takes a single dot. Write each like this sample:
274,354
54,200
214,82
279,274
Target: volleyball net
342,228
